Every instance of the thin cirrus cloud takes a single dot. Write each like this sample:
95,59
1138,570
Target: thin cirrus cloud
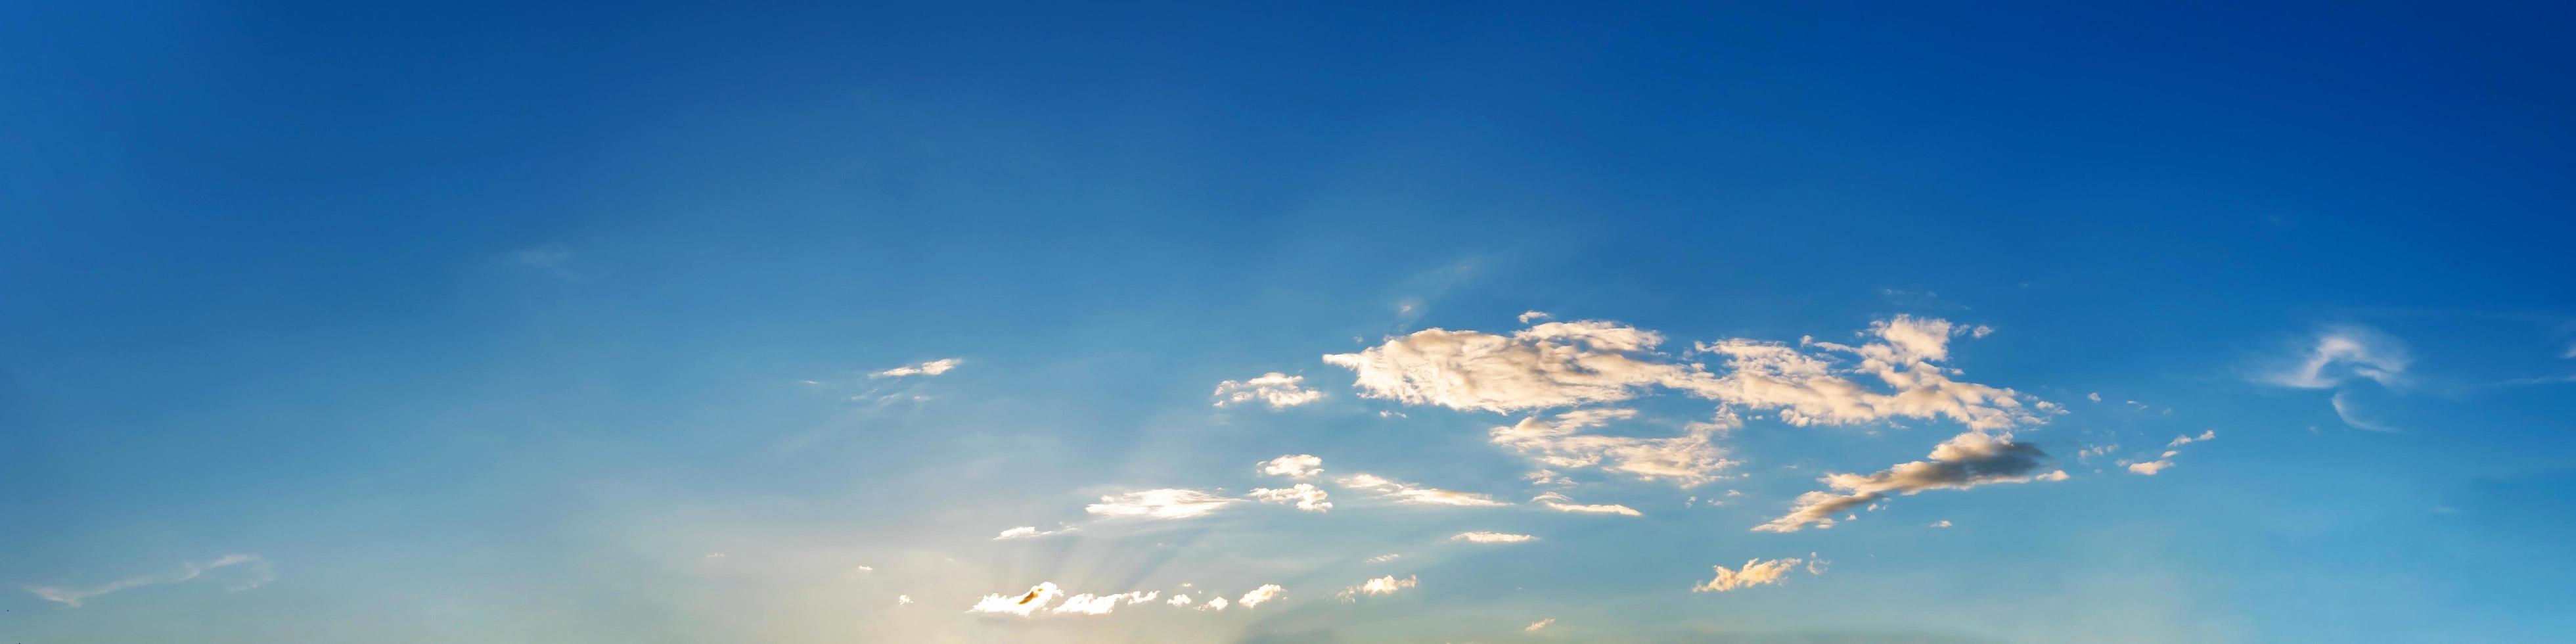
1968,460
1755,572
1029,532
1166,503
1559,502
260,573
2165,461
2343,353
931,368
1278,390
1560,364
1688,461
1408,493
1492,537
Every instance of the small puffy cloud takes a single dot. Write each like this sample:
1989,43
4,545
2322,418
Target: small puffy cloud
1527,316
1968,460
2179,441
1534,626
931,368
1265,593
2343,353
1307,497
1295,466
2089,452
1379,586
2149,468
1167,503
257,567
1029,532
1492,537
2095,396
1217,603
902,600
1688,461
1278,390
1755,572
1021,604
1944,523
1179,600
1561,503
1417,495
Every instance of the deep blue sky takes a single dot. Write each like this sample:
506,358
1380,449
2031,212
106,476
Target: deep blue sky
495,323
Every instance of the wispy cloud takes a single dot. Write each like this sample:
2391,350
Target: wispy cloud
1492,537
1167,503
2343,409
1534,626
1689,460
1029,532
1306,496
1386,585
1418,495
1278,390
1755,572
2342,353
260,573
931,368
1559,502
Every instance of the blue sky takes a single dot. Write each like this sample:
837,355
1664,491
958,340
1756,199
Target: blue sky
666,323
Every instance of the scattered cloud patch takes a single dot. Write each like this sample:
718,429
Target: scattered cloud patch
931,368
1968,460
1296,466
902,600
1755,572
1534,626
1527,316
1029,532
1688,461
1380,586
1382,558
1561,503
1022,605
1265,593
2179,441
1417,495
1167,503
1944,523
1278,390
2150,468
1492,537
1306,496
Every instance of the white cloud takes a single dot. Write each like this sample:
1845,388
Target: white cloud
2179,441
2096,396
1029,532
1492,537
1808,390
1307,497
1379,586
1561,503
1179,600
1944,523
1968,460
1755,572
863,569
1417,495
2343,410
258,567
1167,503
1087,604
1548,365
1534,626
2343,353
1022,604
1278,390
1527,316
2149,468
931,368
902,600
1687,461
1265,593
1297,466
1217,603
2089,452
1382,558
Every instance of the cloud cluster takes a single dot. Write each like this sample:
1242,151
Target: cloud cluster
1755,572
1807,389
1278,390
931,368
1555,364
1968,460
1688,461
1167,503
1039,598
2150,468
1306,496
73,597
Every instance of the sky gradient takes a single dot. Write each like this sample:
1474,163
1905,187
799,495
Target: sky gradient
522,322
